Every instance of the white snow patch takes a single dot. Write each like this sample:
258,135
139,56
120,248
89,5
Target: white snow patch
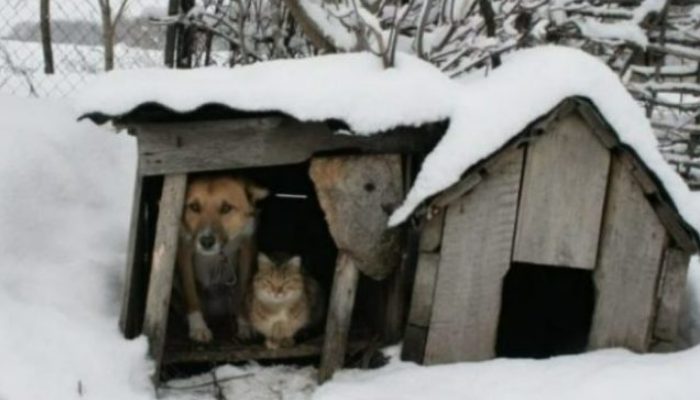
351,87
65,201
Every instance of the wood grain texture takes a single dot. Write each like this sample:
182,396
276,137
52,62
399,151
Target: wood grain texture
474,258
163,266
357,195
431,231
424,289
227,144
629,261
563,195
131,315
341,304
672,287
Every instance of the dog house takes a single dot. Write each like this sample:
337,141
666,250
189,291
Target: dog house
332,194
561,241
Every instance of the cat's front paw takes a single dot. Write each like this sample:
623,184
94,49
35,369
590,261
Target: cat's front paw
199,331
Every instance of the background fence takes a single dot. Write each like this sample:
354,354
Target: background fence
77,29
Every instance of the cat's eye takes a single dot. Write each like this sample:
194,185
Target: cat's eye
194,207
226,208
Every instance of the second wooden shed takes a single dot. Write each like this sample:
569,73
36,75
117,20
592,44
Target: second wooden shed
563,240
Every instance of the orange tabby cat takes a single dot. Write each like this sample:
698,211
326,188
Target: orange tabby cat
283,301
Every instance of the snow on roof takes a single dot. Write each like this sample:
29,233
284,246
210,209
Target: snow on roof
484,113
529,84
352,87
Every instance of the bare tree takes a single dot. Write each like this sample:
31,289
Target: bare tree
45,22
109,28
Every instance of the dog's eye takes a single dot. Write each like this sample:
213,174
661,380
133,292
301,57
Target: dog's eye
194,207
226,208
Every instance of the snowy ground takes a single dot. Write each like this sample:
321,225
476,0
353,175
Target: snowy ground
65,198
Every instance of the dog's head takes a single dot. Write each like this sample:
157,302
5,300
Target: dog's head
219,209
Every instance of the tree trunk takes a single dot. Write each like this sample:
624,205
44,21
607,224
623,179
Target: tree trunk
45,21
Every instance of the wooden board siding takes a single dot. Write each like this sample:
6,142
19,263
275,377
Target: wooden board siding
563,196
475,256
184,147
671,289
629,260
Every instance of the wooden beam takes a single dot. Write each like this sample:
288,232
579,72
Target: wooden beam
431,231
475,256
341,304
163,266
185,147
671,289
424,289
131,316
562,199
627,270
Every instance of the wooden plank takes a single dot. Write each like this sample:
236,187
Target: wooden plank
598,125
228,144
561,205
357,195
474,258
131,316
671,220
457,190
341,304
188,352
431,232
628,266
413,348
163,266
424,289
672,287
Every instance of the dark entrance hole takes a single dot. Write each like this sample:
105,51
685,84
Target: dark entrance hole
545,311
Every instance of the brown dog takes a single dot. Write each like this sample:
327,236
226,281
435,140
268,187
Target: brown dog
216,246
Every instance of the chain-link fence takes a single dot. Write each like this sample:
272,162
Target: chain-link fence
77,42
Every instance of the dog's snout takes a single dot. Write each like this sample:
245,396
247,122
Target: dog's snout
207,241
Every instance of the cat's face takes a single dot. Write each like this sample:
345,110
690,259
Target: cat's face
278,283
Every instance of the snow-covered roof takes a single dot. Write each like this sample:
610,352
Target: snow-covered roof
353,88
484,113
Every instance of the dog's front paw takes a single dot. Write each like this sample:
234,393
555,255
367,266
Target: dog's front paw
244,331
199,331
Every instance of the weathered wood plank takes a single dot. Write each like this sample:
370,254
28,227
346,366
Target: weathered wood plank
131,316
597,124
413,348
629,260
563,195
474,258
431,232
672,287
424,289
228,144
163,266
457,190
341,304
357,195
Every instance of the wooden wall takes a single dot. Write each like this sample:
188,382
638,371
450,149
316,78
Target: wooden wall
569,199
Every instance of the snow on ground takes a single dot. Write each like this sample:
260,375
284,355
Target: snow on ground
63,227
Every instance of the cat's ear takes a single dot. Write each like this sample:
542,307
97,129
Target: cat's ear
264,263
294,263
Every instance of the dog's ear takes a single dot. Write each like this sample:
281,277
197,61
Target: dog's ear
255,192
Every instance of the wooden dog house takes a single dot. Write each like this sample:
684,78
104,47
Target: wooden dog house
561,241
356,181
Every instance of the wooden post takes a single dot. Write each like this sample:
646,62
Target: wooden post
131,315
340,307
163,266
670,292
